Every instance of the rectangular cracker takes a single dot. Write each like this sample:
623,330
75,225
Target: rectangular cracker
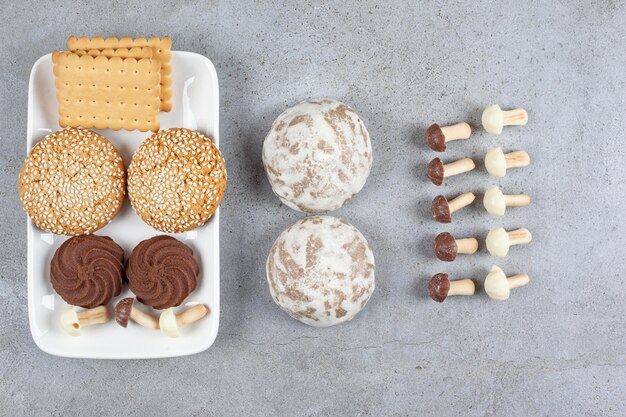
102,92
162,51
136,52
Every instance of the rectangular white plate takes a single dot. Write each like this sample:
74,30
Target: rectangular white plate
195,106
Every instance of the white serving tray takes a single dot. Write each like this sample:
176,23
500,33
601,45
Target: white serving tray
195,106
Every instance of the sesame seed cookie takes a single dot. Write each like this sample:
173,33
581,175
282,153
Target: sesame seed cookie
176,180
72,182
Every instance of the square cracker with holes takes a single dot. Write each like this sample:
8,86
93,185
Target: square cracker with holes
162,52
107,92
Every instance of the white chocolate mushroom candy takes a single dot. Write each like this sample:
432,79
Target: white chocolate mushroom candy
495,162
320,271
498,286
494,201
499,240
494,118
317,155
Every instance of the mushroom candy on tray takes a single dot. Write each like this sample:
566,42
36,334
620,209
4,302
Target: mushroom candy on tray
437,170
494,118
125,310
442,209
498,286
73,322
496,202
447,247
497,162
437,136
499,240
170,323
440,287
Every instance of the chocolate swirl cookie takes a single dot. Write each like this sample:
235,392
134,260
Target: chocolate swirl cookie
87,271
162,272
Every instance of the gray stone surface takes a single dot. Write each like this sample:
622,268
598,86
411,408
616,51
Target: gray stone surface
556,348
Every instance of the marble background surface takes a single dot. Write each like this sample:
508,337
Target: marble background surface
556,348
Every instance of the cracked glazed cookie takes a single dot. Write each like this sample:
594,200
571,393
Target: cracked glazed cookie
317,155
72,182
176,180
321,271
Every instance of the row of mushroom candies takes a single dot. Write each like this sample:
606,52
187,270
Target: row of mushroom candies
496,162
494,200
498,243
168,322
493,120
497,285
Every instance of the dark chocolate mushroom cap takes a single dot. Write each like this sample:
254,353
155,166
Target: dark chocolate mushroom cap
445,247
435,171
441,209
435,138
122,311
438,287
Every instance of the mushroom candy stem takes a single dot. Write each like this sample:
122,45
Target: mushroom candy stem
457,131
499,241
169,322
461,201
125,310
519,237
494,118
462,287
440,287
467,245
517,159
498,286
73,322
516,200
496,202
518,280
458,167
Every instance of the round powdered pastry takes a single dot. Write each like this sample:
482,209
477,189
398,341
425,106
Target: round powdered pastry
321,271
72,182
162,272
317,155
176,180
87,271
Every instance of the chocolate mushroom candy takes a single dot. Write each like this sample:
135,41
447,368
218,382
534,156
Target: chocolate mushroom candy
169,323
499,240
440,287
437,136
447,247
496,202
125,310
73,322
442,209
494,118
497,162
437,170
498,286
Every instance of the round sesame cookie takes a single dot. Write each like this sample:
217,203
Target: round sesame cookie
72,182
176,180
